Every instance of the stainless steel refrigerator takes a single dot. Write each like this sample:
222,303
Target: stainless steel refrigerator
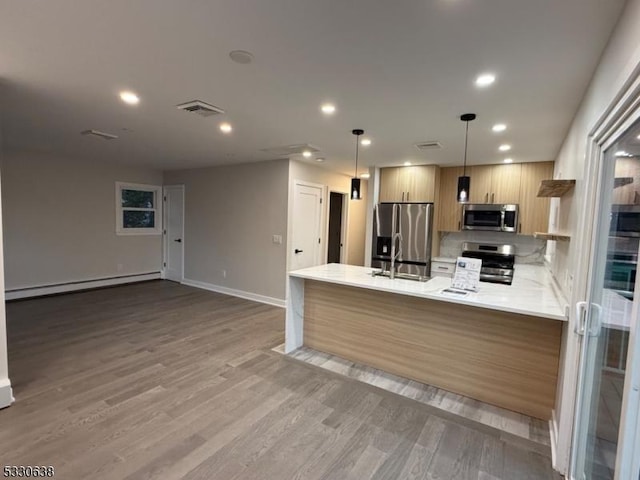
409,226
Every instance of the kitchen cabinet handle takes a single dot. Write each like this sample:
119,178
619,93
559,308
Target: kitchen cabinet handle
458,224
407,196
403,196
492,197
520,228
486,197
442,268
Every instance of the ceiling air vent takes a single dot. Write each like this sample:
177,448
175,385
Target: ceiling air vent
98,133
428,145
289,150
201,108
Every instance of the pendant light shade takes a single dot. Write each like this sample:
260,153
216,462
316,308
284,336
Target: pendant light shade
464,182
356,194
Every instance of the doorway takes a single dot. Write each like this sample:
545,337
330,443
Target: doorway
174,233
606,418
337,227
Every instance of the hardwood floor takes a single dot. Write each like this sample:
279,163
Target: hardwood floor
159,380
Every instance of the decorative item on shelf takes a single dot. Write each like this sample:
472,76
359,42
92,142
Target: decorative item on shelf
555,188
464,182
355,181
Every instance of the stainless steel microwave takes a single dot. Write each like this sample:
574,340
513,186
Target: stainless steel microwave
625,221
492,217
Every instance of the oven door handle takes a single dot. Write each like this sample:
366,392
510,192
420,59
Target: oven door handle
502,227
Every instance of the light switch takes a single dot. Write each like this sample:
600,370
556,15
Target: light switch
277,239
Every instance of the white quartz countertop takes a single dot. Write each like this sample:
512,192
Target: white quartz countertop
531,293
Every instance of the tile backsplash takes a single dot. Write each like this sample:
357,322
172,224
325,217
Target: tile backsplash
528,249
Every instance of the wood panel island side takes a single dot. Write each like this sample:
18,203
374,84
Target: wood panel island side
500,345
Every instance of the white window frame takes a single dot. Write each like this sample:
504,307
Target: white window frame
157,190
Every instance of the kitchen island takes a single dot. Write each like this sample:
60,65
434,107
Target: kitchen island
500,345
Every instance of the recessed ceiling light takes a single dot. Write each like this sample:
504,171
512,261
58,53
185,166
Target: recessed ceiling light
407,163
504,147
485,79
365,175
365,142
499,127
129,97
319,159
638,137
226,127
622,153
328,108
241,56
508,160
306,154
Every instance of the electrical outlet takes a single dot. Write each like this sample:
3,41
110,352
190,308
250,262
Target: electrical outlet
224,274
277,239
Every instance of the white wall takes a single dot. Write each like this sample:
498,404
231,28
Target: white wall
231,213
619,60
6,395
356,209
59,221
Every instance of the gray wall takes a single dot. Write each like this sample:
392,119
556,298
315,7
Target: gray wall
59,221
231,213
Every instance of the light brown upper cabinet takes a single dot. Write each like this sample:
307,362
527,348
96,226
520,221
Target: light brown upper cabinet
513,183
495,183
450,213
534,210
408,184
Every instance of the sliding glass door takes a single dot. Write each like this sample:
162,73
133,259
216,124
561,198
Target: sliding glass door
607,404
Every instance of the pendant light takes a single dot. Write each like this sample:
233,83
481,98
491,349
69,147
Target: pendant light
355,181
464,182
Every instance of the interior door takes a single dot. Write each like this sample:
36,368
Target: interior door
307,215
334,242
174,233
607,401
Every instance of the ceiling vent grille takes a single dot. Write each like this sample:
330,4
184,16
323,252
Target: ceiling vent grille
428,145
201,108
289,150
98,133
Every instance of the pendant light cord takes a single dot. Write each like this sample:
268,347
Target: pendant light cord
466,137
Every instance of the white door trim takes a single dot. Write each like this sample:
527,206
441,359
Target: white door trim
165,240
343,228
621,114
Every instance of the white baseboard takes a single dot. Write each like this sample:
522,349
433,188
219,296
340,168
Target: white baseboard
80,285
276,302
6,393
553,435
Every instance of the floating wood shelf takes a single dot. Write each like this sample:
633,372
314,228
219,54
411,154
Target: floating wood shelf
552,236
555,188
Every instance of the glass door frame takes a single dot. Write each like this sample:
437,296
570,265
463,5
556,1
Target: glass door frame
616,121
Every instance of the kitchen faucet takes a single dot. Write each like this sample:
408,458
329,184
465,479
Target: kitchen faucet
395,254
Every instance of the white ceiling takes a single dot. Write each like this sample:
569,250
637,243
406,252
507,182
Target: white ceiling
401,70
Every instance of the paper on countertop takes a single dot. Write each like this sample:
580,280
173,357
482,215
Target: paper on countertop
467,275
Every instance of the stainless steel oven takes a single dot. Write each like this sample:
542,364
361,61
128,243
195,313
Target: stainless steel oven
492,217
625,221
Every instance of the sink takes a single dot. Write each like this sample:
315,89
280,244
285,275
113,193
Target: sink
403,276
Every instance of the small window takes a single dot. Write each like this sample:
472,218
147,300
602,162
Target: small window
138,209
